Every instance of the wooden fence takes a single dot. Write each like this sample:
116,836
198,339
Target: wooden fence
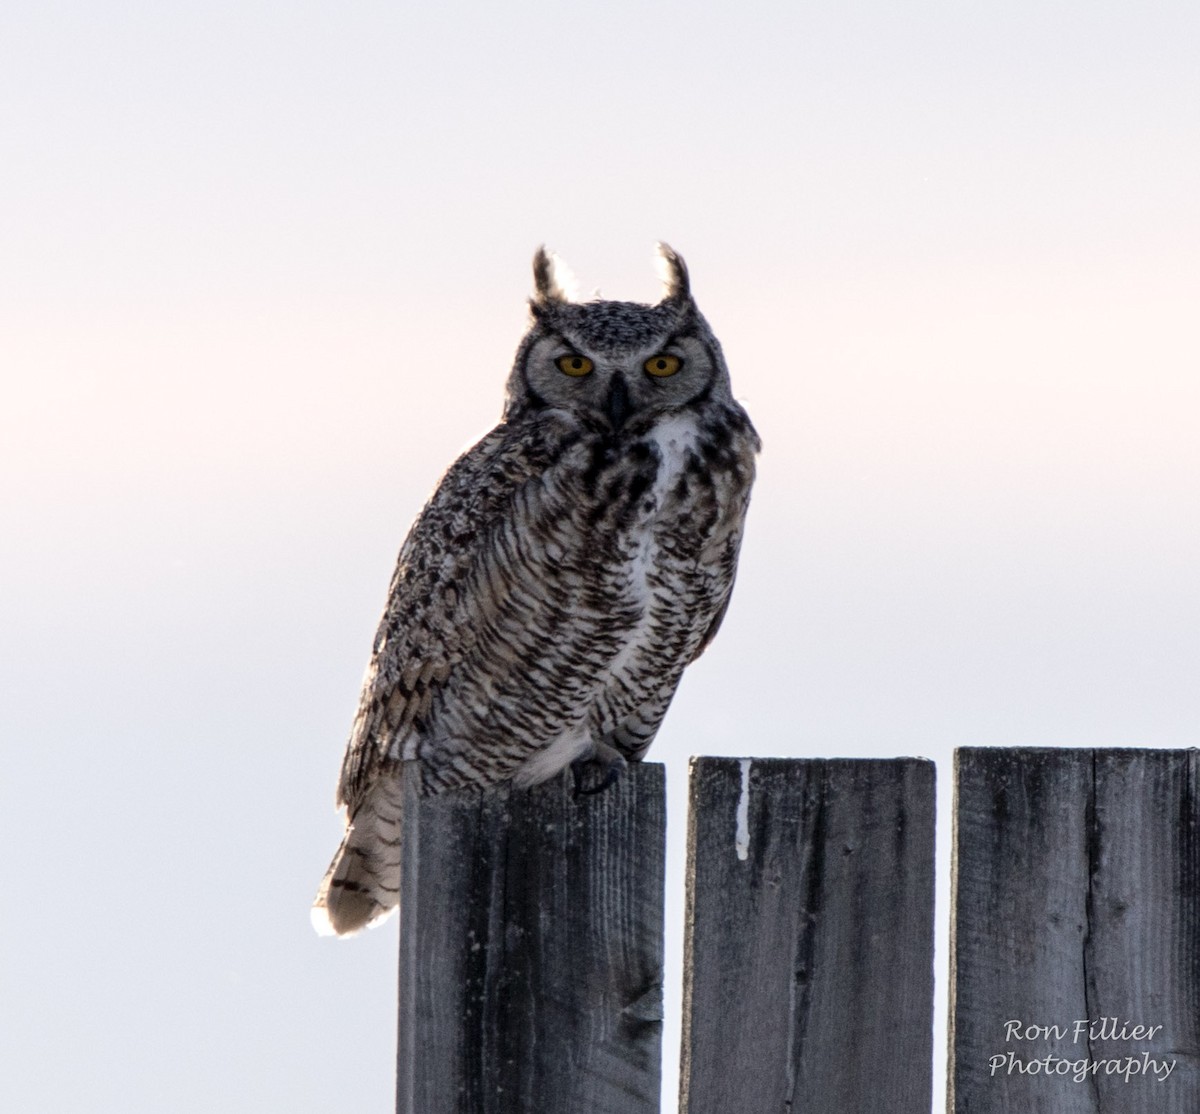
531,964
1076,899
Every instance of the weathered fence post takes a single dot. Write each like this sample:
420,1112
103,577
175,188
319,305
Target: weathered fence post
531,927
1075,946
808,978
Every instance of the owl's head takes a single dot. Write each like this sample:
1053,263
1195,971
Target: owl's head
620,365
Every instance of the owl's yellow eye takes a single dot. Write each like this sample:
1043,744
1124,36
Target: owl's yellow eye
663,365
574,365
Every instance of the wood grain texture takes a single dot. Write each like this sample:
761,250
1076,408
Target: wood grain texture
531,927
808,978
1076,897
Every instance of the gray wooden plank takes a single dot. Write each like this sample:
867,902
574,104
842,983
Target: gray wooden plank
531,927
808,968
1076,898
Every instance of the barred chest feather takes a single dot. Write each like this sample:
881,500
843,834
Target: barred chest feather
671,515
675,492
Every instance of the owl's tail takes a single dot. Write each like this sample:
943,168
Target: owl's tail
362,885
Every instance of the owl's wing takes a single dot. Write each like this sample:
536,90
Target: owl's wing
446,587
714,626
723,566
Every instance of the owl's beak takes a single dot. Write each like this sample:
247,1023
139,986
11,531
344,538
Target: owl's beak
618,402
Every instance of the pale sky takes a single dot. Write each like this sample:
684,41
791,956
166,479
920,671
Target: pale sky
262,271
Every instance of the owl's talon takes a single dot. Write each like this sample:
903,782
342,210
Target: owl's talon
609,762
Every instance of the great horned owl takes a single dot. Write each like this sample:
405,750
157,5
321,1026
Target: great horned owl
565,571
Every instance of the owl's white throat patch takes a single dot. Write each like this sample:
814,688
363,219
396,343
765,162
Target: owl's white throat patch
675,438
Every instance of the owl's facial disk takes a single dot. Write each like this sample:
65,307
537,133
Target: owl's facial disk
617,388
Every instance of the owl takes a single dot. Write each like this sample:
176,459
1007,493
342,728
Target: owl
565,571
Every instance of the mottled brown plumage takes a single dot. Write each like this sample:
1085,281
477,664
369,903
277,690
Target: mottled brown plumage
566,570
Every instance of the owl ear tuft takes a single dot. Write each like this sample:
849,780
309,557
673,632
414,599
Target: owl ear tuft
552,280
674,274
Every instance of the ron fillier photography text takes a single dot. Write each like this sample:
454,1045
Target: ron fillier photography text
1084,1034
